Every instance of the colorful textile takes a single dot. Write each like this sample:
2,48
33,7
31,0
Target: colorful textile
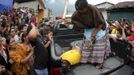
17,55
101,49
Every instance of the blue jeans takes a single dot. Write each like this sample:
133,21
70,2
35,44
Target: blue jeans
41,72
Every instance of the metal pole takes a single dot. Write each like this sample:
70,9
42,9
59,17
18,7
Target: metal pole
65,9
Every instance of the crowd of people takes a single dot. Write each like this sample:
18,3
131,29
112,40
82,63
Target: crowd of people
23,45
24,42
122,30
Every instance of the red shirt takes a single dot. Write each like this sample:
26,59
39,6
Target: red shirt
131,38
33,20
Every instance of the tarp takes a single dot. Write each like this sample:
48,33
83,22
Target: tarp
6,4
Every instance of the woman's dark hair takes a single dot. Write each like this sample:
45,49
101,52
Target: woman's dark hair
23,36
80,4
29,29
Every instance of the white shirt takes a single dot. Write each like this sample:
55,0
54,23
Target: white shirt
4,55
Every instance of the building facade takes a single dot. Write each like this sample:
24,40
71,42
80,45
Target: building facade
37,5
103,8
122,10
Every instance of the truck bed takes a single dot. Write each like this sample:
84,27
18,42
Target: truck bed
63,41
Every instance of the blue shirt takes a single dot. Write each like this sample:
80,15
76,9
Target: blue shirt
99,35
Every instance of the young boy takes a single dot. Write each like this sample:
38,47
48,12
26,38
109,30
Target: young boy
69,58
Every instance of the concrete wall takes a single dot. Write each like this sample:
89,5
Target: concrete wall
43,13
31,4
104,6
104,13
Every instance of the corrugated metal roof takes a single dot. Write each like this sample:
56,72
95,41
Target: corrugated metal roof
104,3
123,5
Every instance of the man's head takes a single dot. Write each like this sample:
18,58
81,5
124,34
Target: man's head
81,6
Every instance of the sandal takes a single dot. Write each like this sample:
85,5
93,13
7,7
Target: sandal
99,66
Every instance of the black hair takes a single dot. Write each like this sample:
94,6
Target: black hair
21,27
23,36
42,24
29,29
119,30
65,65
80,4
3,23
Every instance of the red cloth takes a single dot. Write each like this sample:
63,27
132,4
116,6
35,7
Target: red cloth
33,20
131,38
5,46
132,29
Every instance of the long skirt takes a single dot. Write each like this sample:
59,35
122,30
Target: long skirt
97,53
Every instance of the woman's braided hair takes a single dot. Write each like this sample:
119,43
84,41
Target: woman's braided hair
80,4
